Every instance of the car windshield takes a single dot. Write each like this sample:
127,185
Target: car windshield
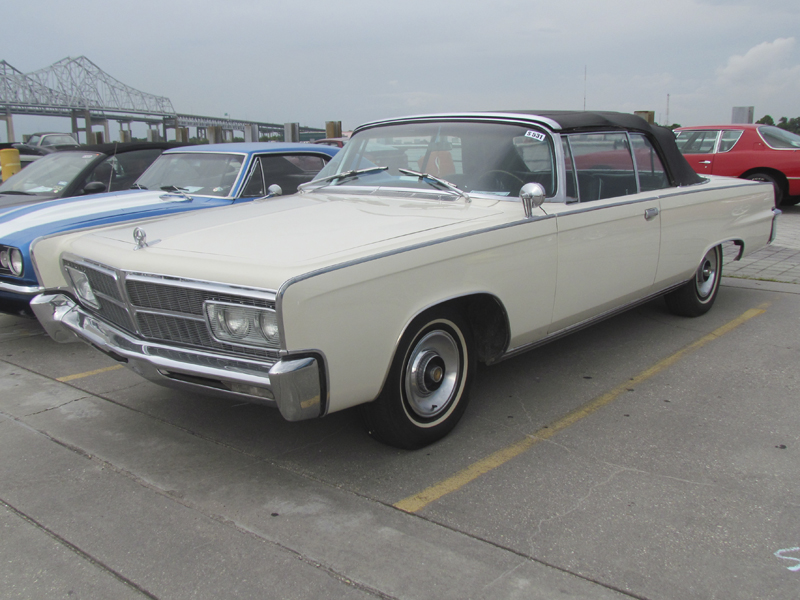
491,158
48,175
775,137
204,173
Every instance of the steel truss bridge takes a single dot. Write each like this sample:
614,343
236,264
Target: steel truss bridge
78,89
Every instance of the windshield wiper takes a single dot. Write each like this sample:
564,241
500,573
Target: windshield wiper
175,191
138,186
437,182
18,193
346,175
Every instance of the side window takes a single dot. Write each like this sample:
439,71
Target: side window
604,165
129,165
572,182
652,175
307,162
729,139
254,187
106,173
697,142
287,171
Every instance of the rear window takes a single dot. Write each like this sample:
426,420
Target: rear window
775,137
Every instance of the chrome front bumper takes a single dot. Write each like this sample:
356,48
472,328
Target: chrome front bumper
293,385
22,290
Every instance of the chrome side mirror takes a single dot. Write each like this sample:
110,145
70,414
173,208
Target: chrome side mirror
274,190
532,196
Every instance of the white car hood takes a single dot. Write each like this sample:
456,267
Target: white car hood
301,230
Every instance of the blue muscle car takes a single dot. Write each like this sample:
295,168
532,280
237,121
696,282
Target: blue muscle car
180,180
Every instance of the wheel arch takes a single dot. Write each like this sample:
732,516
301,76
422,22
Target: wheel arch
486,316
777,175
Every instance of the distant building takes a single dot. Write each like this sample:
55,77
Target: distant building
742,114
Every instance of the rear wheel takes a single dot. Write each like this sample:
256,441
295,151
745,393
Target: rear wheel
427,389
696,297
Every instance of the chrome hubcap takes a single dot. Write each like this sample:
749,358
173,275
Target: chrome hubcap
707,274
432,374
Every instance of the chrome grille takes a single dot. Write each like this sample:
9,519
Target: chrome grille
116,314
165,297
147,294
167,310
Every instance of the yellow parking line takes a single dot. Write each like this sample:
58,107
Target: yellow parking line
419,501
88,373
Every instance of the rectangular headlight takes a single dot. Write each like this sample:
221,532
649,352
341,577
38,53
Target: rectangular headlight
241,324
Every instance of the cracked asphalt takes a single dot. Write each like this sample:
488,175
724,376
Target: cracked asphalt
670,471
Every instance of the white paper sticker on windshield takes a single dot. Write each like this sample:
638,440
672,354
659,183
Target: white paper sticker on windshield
39,189
535,135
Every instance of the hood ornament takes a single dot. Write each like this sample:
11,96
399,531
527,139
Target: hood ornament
140,237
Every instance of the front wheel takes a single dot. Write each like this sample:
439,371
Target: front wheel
427,388
696,297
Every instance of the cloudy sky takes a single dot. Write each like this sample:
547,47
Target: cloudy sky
312,61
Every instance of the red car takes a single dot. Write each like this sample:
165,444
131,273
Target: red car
759,152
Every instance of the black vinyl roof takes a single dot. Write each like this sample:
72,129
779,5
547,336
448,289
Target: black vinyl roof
582,121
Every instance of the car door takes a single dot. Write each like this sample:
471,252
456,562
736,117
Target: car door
698,147
608,241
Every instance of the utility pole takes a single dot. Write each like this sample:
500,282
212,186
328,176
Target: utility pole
584,87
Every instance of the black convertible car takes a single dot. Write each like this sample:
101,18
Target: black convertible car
85,170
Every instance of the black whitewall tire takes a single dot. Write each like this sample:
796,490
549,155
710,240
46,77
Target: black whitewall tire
427,389
696,297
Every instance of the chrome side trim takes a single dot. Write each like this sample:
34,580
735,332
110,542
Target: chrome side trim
289,282
586,323
584,207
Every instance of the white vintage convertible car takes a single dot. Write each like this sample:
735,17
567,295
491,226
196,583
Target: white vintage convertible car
428,244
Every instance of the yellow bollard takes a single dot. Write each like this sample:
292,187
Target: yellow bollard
9,160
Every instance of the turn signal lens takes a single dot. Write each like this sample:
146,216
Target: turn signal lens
82,287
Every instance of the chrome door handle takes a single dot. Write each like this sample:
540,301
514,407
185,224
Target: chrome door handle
650,214
705,162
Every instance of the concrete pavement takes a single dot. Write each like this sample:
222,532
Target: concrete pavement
778,262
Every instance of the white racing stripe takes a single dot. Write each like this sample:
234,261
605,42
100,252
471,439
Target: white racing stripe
90,207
